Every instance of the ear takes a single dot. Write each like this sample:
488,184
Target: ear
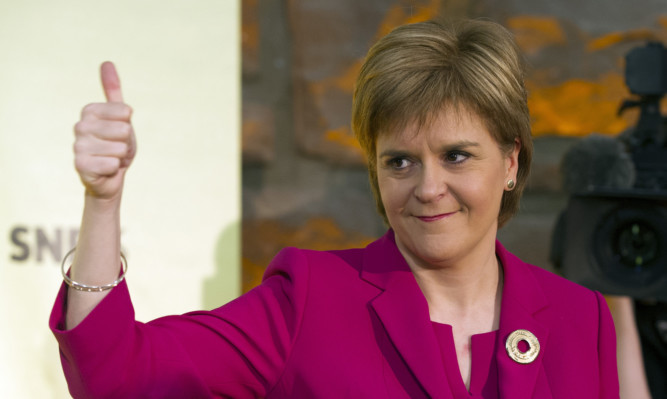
512,161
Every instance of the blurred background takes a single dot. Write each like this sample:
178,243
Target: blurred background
304,179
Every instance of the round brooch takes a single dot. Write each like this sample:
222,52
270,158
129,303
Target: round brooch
512,346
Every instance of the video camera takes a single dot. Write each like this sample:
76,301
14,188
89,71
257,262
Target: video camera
612,236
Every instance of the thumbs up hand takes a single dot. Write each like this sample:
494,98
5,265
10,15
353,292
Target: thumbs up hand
105,144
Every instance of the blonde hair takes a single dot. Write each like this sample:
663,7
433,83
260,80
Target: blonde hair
411,74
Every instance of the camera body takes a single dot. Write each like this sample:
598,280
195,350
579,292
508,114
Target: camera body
614,239
615,243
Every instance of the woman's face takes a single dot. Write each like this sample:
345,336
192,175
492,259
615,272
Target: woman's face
441,187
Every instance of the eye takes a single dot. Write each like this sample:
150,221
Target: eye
398,163
456,157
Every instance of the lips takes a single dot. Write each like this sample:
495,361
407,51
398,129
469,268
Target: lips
434,218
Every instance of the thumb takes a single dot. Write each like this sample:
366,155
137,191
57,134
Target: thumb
111,83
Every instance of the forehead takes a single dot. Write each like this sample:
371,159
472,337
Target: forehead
449,124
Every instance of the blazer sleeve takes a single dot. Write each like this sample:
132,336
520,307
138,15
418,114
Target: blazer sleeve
238,350
609,386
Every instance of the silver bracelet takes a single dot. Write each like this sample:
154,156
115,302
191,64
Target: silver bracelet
92,288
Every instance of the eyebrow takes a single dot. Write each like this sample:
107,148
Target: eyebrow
458,145
393,153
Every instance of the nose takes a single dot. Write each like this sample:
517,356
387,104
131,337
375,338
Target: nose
431,185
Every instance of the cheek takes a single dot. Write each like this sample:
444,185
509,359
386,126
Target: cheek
394,193
479,193
493,191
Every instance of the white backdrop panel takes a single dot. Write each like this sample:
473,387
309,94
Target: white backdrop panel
179,65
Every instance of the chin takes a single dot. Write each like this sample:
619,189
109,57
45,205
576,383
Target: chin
431,248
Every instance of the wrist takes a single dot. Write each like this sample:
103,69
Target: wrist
102,205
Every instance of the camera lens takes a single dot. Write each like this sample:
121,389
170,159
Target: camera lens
636,244
630,244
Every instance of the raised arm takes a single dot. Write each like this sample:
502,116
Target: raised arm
239,350
103,150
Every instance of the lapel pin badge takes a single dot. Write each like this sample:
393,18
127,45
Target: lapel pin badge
513,350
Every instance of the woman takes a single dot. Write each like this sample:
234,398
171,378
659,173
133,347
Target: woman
435,308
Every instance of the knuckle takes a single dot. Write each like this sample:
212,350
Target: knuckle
88,109
122,111
111,164
78,147
121,149
88,128
80,164
80,127
125,131
128,111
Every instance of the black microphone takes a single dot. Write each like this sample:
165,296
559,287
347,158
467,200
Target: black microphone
597,162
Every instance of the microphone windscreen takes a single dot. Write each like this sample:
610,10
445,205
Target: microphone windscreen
597,161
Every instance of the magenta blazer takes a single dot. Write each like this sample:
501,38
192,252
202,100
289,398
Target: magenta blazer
337,324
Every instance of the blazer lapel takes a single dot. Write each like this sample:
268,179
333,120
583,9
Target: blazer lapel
403,312
521,299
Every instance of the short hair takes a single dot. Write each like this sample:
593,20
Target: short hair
412,73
